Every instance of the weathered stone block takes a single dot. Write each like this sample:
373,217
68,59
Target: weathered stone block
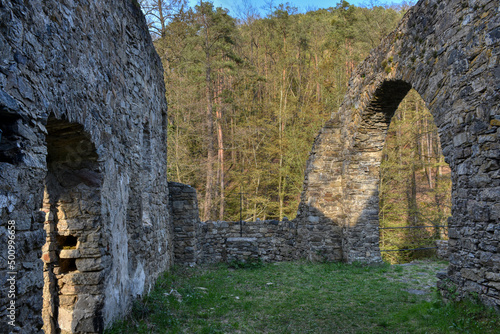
65,319
91,252
83,278
90,264
67,301
69,254
49,257
68,289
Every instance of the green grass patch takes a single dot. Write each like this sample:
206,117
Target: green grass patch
303,297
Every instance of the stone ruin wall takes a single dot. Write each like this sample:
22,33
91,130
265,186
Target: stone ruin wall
266,240
197,242
448,51
83,121
183,209
82,109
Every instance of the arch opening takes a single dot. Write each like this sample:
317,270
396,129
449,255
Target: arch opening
368,194
415,185
360,235
10,137
74,253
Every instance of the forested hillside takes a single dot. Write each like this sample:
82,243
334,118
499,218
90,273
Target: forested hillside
247,97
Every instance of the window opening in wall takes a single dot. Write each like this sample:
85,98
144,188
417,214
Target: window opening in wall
67,265
74,249
67,241
415,185
10,144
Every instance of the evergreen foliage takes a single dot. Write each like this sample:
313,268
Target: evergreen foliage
247,97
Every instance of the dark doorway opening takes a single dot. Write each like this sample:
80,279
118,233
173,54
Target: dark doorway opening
74,251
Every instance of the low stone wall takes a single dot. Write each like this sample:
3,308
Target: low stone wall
268,240
198,242
442,251
242,249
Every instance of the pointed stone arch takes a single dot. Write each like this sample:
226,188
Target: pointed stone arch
448,52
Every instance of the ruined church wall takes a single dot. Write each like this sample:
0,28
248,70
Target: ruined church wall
87,63
448,52
266,240
197,242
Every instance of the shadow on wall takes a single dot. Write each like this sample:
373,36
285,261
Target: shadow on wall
74,256
314,237
335,239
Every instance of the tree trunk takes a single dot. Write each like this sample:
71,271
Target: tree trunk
220,142
162,18
209,188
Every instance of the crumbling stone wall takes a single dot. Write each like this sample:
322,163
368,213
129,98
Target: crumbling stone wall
186,225
83,121
82,111
197,242
268,240
448,51
73,253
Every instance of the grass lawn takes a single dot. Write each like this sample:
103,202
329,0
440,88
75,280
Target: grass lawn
304,297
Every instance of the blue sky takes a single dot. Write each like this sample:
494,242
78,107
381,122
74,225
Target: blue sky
235,6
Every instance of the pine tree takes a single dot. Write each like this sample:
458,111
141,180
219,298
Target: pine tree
246,101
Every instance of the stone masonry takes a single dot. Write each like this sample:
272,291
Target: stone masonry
448,51
82,164
198,242
266,240
85,217
183,206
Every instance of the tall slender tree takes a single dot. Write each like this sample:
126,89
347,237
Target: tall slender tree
246,100
216,34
